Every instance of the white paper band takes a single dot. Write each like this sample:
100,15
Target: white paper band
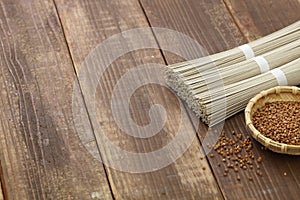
247,51
280,76
262,63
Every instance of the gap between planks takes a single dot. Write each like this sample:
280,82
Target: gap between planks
3,191
234,19
188,111
84,101
64,28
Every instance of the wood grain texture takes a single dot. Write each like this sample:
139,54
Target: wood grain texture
208,22
178,15
41,154
257,19
1,192
87,24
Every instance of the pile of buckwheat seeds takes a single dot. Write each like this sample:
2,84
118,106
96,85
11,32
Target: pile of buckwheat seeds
279,121
237,155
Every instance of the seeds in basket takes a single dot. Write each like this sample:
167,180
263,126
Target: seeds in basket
279,121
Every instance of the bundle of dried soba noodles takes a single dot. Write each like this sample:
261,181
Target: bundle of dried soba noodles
238,94
236,74
176,72
197,83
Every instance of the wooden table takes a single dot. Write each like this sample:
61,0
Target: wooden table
43,44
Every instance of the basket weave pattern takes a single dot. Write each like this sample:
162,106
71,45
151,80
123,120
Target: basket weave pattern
280,93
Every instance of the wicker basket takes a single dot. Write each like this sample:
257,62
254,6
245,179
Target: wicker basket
280,93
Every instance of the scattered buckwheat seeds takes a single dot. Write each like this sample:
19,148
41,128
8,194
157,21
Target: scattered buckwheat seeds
236,152
258,172
259,159
279,121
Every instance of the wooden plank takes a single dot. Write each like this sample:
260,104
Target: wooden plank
178,15
87,24
257,19
208,22
41,154
1,193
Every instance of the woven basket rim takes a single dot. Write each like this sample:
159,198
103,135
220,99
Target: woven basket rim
255,133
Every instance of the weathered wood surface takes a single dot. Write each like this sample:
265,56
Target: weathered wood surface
1,192
41,154
45,154
2,184
87,24
208,22
210,32
256,19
